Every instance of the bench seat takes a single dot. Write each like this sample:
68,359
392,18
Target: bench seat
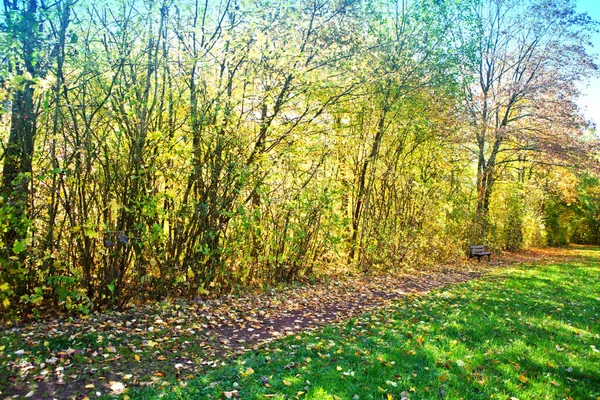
479,251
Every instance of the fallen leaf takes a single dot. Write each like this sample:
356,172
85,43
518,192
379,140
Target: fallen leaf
286,382
117,387
523,379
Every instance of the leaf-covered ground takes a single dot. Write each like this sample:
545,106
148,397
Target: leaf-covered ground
208,349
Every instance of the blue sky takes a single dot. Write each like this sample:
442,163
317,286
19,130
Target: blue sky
590,101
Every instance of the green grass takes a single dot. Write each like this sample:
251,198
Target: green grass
531,332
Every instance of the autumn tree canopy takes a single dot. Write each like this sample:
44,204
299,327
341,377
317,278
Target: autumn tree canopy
189,148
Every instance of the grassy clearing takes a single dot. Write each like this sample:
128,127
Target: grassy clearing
528,333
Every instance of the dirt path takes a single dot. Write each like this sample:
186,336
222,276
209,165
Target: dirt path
164,343
310,308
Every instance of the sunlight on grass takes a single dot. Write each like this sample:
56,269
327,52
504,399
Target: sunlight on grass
320,393
531,332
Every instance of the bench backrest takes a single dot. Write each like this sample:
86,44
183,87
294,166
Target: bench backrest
477,248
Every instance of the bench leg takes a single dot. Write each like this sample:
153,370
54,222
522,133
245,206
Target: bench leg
489,255
478,258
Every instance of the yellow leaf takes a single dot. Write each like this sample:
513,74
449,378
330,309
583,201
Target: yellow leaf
338,368
90,386
137,357
389,397
523,379
91,234
6,303
286,382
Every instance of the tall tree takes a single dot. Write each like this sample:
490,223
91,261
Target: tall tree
31,50
520,88
402,64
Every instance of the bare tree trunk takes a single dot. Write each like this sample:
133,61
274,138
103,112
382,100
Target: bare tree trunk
362,193
56,174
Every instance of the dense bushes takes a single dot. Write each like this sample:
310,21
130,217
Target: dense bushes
189,150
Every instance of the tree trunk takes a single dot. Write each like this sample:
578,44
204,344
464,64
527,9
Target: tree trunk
362,187
16,174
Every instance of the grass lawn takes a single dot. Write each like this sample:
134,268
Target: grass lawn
528,332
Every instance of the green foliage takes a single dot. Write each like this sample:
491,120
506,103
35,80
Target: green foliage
573,216
176,151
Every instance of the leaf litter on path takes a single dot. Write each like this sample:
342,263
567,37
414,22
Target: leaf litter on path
148,345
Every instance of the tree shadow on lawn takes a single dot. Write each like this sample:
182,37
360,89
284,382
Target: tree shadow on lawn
528,337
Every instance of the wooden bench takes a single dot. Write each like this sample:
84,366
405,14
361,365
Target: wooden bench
478,251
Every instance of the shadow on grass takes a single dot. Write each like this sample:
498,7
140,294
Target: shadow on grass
531,334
